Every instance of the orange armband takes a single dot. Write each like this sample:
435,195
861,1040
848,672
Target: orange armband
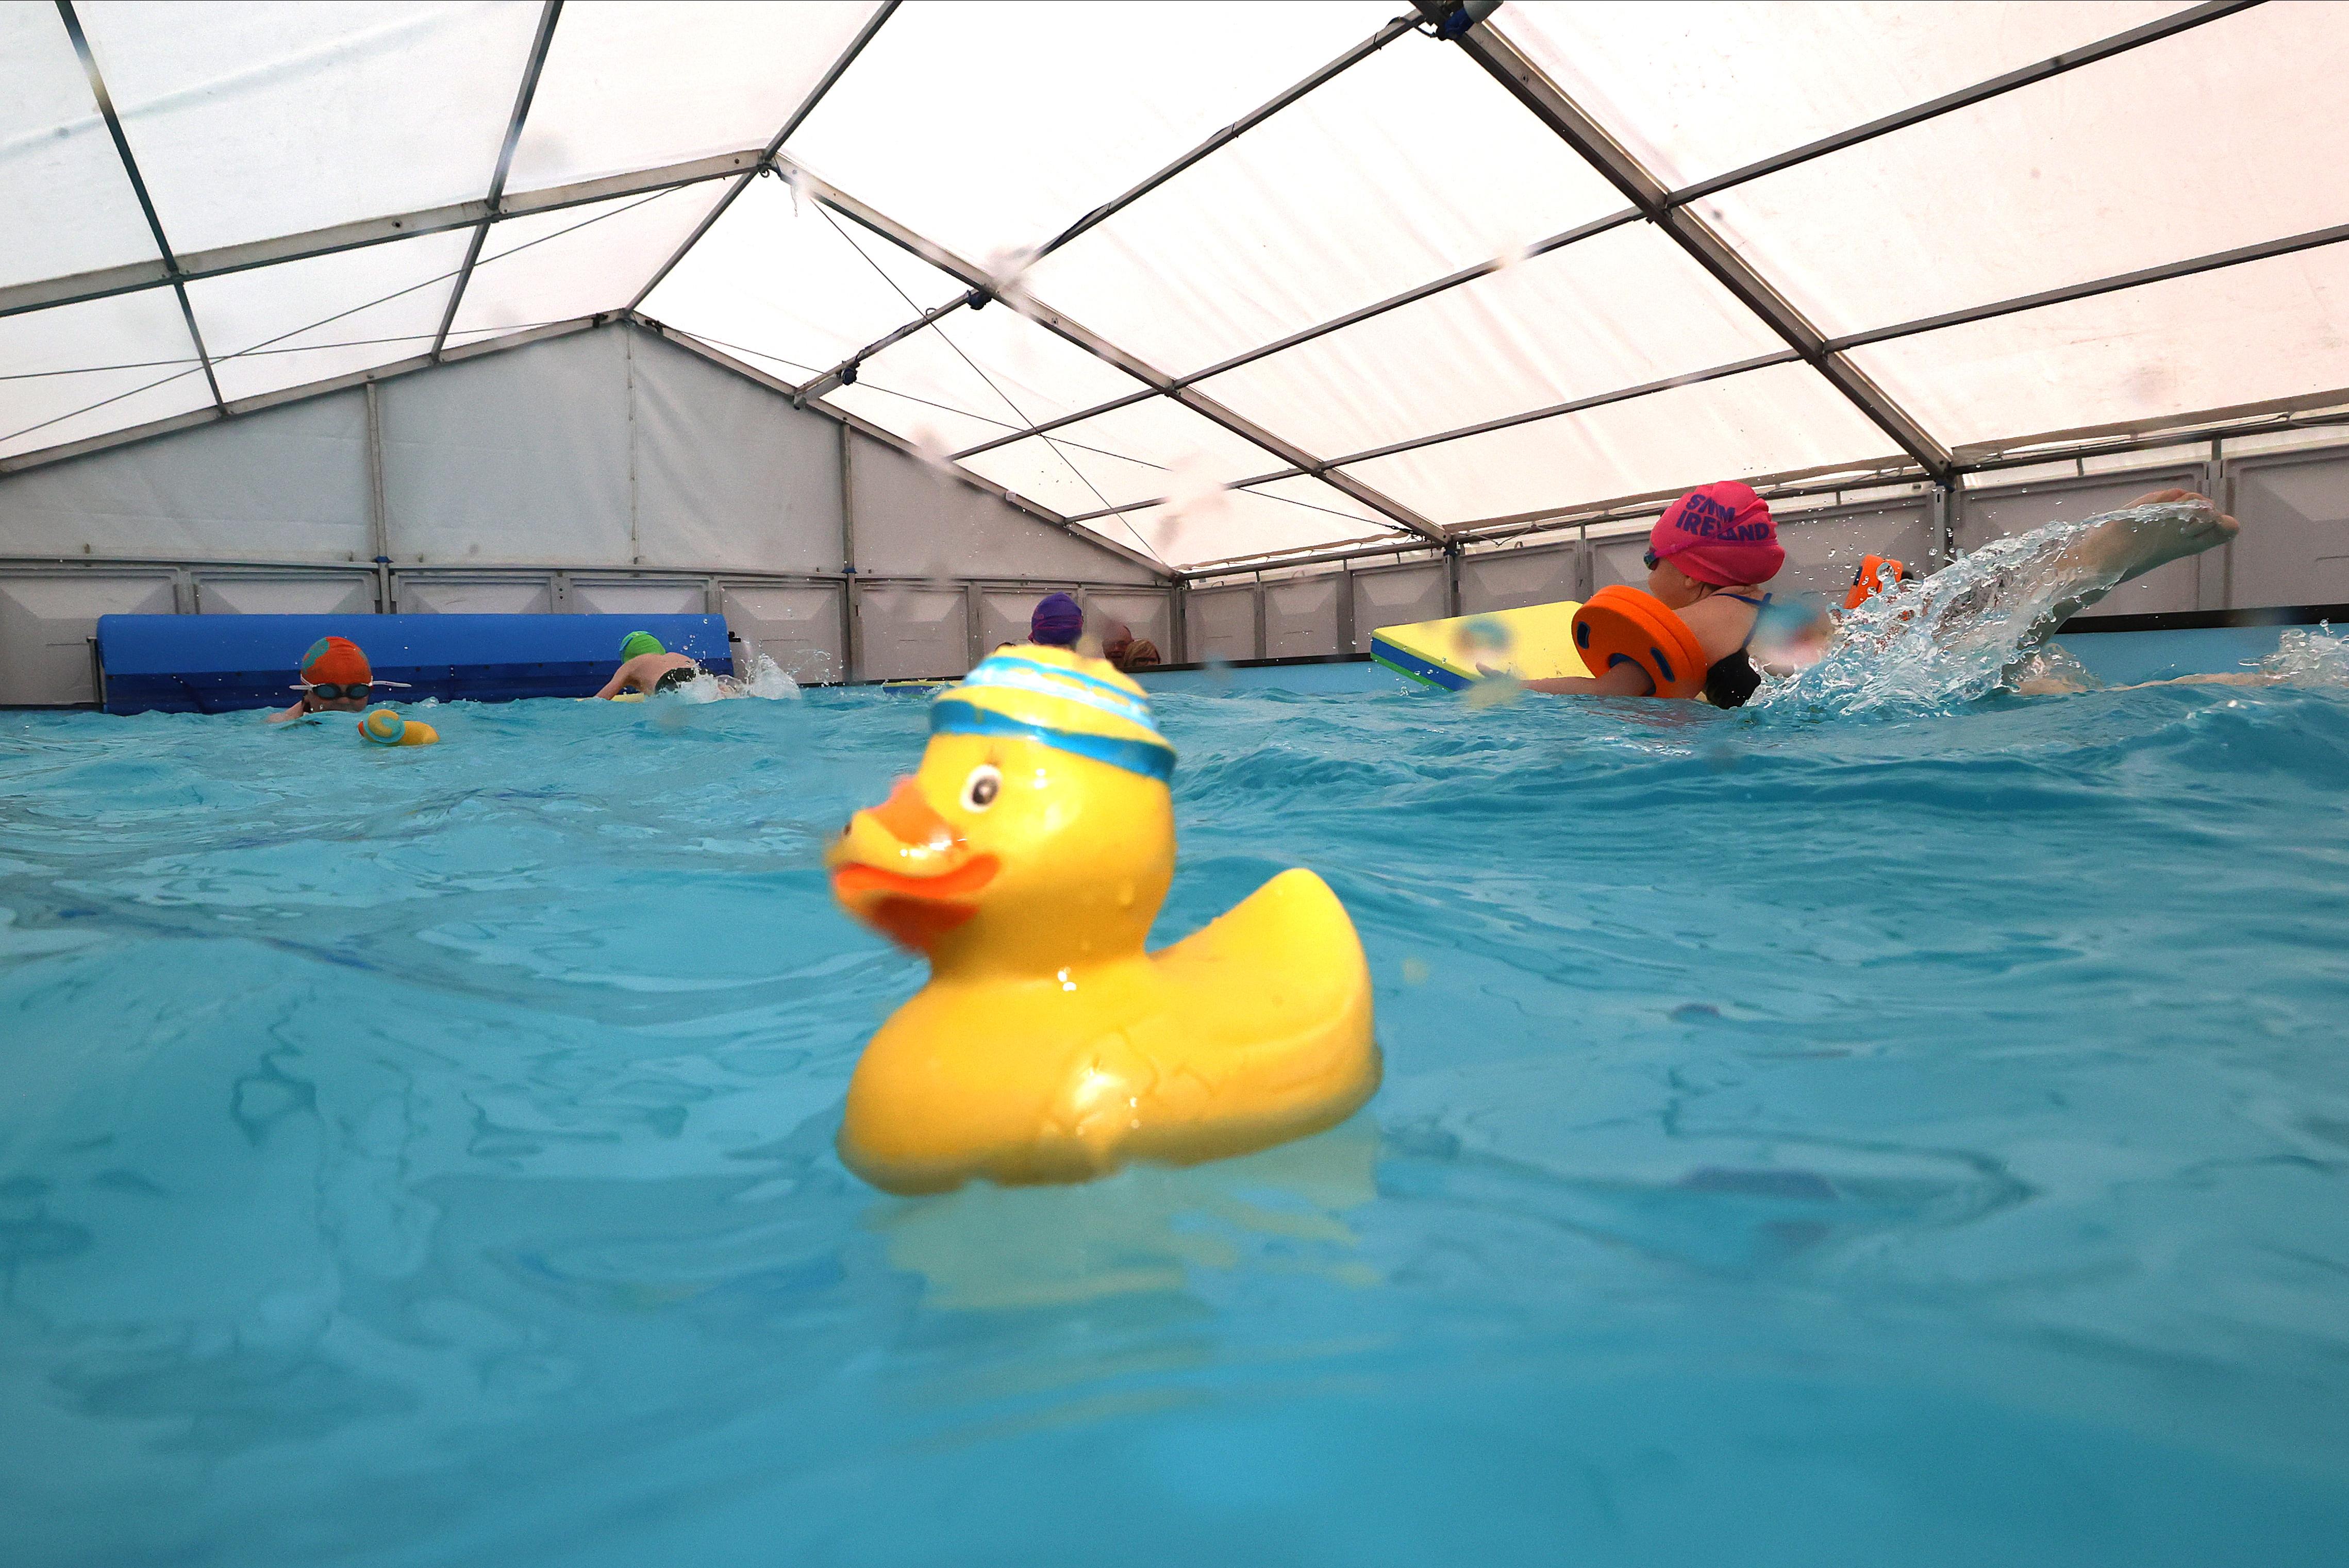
1621,625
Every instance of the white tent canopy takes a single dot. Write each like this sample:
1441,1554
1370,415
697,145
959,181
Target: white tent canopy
1217,280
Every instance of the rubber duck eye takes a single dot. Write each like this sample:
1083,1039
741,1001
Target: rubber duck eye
980,791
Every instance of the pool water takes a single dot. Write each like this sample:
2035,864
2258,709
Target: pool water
1912,1137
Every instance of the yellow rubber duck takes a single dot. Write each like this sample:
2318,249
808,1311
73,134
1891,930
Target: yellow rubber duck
1027,861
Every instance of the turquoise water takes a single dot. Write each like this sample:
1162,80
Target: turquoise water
1911,1139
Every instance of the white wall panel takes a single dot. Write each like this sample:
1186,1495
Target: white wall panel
1513,578
728,474
914,520
2294,546
512,457
1222,623
1301,617
799,626
913,634
284,593
1397,596
1988,514
285,484
48,620
619,596
1620,559
459,594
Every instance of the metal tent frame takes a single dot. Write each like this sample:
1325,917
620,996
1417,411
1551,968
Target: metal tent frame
1672,211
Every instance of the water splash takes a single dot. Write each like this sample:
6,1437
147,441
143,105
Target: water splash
762,678
2309,657
1967,631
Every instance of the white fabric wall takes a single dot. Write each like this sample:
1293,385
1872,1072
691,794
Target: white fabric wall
915,520
516,457
285,484
727,473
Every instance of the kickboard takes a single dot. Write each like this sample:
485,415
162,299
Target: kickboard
1536,642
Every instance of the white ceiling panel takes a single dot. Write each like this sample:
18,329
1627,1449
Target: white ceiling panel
629,87
69,204
298,321
1696,87
975,376
552,266
990,127
784,285
1359,192
82,370
2219,138
1147,452
255,119
1777,420
2251,333
1543,332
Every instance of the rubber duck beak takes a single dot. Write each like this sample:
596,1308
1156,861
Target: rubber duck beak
903,870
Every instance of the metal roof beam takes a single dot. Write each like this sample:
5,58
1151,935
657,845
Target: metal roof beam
1067,331
139,188
1530,86
1966,98
196,265
547,17
1101,214
799,117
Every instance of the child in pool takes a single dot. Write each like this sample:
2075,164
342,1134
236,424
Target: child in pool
648,668
335,678
1711,555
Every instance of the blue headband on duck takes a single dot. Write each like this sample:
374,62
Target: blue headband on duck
1067,709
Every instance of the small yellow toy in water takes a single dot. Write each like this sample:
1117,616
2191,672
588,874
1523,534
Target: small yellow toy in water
1027,861
386,727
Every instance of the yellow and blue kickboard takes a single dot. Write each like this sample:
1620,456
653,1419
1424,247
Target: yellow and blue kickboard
1534,644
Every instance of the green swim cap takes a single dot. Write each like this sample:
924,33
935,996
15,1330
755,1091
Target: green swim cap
636,645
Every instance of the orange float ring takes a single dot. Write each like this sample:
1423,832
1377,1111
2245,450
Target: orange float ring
1869,580
1621,625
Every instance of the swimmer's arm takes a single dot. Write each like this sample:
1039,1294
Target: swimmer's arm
288,714
620,678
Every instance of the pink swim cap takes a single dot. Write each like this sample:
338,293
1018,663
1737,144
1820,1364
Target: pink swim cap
1721,534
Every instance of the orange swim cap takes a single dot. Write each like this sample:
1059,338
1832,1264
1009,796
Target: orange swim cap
337,661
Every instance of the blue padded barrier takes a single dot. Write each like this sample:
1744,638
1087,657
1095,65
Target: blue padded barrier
217,663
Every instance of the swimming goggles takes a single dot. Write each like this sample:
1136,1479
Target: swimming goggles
1652,559
331,691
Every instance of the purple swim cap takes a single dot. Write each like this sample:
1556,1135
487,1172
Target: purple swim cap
1057,620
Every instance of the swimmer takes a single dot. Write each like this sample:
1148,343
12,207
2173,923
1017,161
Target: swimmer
335,678
648,668
1711,554
1058,622
1120,647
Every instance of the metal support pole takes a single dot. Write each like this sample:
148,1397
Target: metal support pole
378,513
852,631
1257,595
1451,578
1944,524
1345,583
1179,624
